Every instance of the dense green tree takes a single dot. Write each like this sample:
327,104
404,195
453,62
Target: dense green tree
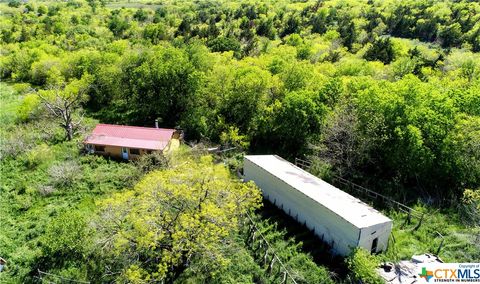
319,22
248,94
184,28
296,76
14,3
221,44
265,28
175,217
347,32
298,119
140,15
381,50
161,83
463,149
160,13
451,35
118,26
155,33
42,10
292,25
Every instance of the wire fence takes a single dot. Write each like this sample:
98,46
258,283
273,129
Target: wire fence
262,248
46,277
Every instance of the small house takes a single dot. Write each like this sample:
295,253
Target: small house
337,218
129,142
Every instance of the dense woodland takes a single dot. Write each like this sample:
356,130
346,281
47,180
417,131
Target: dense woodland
382,93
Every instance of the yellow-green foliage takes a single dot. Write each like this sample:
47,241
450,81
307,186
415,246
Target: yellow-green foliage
362,266
472,197
29,105
173,215
471,206
409,121
67,234
38,155
233,138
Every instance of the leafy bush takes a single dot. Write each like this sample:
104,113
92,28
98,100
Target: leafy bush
362,266
149,162
200,207
21,88
29,106
66,235
307,271
221,44
470,206
14,3
38,155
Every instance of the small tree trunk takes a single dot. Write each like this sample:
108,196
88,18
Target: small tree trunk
69,131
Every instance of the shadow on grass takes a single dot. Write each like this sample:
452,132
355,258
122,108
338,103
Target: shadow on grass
311,244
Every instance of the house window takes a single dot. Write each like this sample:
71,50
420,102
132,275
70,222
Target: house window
99,148
134,151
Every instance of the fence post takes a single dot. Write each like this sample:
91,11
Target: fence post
265,256
270,265
284,280
441,244
419,223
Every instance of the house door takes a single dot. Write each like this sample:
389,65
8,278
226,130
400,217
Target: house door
125,153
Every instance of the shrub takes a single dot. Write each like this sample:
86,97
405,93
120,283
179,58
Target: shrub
306,271
66,235
362,266
64,174
14,3
470,206
29,107
14,144
304,52
22,202
21,88
140,15
46,190
150,162
38,155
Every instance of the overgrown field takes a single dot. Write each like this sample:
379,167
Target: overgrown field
461,238
55,217
42,180
382,93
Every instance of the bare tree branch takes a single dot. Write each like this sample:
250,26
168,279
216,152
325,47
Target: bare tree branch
62,104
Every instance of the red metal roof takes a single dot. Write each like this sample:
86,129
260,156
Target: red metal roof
130,136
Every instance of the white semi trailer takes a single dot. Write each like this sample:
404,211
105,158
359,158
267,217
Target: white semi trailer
338,218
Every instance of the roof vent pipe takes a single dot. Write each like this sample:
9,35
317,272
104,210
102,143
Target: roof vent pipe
156,123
